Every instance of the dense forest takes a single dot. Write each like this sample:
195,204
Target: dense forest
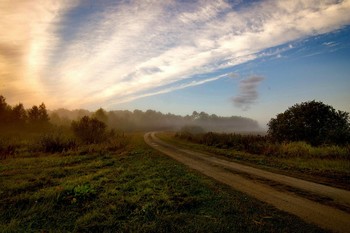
38,116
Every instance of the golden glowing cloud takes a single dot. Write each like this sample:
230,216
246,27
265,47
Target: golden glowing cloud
28,33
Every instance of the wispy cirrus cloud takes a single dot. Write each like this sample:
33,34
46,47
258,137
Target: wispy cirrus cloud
172,88
121,51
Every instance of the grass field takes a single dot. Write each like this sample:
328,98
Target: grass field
134,189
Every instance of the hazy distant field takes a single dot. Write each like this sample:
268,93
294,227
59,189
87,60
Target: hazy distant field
132,189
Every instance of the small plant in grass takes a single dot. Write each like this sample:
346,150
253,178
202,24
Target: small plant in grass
78,193
84,191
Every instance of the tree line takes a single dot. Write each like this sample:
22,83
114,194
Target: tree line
312,122
17,117
38,117
137,120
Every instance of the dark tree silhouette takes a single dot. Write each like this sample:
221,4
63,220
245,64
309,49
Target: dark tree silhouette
101,115
19,115
17,118
313,122
34,115
5,112
89,130
43,116
38,117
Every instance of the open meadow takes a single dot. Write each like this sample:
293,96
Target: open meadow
133,188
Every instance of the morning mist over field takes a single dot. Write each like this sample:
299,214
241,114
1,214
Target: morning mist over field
175,116
230,58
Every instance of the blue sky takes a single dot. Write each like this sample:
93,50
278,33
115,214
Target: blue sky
246,58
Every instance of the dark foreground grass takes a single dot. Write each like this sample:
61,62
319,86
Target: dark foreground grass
131,190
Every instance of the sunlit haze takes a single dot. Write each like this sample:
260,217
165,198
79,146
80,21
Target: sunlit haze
243,58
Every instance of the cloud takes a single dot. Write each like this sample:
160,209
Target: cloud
169,89
248,93
27,37
233,75
330,44
120,49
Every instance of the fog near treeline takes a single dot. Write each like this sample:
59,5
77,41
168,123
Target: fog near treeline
150,120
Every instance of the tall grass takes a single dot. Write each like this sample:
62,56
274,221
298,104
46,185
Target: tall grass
57,141
261,145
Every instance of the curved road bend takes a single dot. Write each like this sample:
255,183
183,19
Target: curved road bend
226,172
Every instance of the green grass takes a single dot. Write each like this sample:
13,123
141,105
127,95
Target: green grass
334,171
134,189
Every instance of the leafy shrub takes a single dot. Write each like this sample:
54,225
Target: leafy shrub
7,148
89,130
312,122
55,143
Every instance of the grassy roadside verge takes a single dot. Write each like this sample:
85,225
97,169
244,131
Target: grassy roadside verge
329,171
131,190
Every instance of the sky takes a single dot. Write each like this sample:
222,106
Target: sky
226,57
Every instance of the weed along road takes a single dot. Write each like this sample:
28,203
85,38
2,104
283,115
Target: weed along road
299,197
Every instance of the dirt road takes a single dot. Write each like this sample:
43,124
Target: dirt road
269,187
